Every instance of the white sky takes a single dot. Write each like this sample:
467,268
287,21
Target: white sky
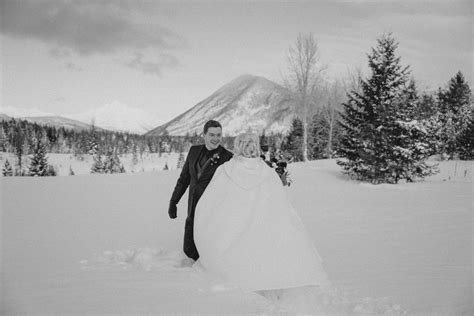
164,57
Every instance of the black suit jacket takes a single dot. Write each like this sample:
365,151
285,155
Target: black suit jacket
197,183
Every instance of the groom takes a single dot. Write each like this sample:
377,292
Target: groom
201,163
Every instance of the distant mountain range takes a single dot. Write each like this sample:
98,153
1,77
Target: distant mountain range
117,116
114,116
58,121
55,121
4,117
247,102
22,112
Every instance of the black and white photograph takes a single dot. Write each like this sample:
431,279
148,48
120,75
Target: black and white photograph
225,157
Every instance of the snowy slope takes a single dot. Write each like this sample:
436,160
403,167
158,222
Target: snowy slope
117,116
114,116
58,121
43,118
4,117
103,244
22,112
40,117
245,102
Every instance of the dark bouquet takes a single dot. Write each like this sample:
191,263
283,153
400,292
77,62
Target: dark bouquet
280,165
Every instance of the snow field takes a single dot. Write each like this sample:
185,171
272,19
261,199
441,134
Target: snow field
103,244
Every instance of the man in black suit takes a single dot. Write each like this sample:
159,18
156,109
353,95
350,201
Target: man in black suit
201,163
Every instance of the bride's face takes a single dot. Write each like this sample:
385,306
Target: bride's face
213,137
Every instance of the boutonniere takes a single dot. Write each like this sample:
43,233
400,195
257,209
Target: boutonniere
214,159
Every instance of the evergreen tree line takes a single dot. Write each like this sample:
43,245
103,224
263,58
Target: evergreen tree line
37,167
448,111
386,128
19,135
23,139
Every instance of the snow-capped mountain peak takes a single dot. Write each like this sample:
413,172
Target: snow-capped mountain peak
246,102
22,112
119,117
114,116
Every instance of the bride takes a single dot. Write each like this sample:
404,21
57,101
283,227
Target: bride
247,231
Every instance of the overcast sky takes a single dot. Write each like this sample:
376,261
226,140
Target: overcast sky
164,57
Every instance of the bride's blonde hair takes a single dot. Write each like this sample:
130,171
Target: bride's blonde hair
247,145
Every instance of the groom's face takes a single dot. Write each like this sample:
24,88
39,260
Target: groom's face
213,137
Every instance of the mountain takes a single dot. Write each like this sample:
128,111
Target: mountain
40,117
114,116
4,117
59,121
22,112
246,102
119,117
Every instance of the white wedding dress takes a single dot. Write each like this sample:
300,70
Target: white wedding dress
248,234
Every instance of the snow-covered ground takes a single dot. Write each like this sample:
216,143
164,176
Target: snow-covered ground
103,244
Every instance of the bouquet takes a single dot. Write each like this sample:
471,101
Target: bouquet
280,166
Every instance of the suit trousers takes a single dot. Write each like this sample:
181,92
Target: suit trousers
189,247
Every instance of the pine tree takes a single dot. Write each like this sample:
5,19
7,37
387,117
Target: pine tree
166,166
427,106
112,163
92,145
19,149
71,172
466,142
293,143
134,155
27,145
264,142
39,163
315,138
382,141
7,169
411,139
455,110
180,160
319,136
3,139
97,165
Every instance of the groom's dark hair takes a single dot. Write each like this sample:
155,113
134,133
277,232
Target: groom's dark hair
211,123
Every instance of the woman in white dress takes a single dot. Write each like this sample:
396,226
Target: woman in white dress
246,230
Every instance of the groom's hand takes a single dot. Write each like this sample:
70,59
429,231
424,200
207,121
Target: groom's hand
172,210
